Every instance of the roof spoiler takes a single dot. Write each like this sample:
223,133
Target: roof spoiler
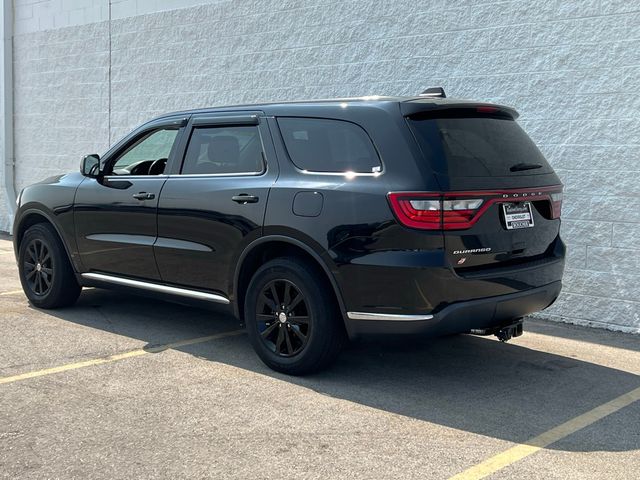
437,92
420,106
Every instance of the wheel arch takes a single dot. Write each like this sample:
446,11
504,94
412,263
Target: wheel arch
273,246
31,217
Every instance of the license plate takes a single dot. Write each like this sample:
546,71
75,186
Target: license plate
517,215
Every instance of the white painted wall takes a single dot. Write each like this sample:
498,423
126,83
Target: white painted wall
38,15
6,125
572,68
3,197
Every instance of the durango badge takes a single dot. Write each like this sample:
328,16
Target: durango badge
473,250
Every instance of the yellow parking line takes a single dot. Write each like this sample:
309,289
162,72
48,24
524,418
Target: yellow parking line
116,357
12,292
506,458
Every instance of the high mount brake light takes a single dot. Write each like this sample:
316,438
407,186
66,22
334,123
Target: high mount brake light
487,109
460,210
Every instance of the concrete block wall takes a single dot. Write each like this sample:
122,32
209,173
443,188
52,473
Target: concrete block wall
5,113
39,15
572,68
61,99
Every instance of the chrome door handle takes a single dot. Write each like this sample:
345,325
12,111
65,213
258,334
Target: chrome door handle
144,196
244,198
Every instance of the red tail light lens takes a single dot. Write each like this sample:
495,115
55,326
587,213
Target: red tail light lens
417,210
460,210
431,211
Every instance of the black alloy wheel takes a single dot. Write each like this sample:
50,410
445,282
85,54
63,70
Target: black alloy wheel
283,317
46,274
38,267
292,316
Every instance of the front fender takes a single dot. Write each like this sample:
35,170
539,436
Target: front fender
52,201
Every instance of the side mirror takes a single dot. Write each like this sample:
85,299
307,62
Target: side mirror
90,166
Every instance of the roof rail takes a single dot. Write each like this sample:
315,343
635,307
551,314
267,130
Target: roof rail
434,92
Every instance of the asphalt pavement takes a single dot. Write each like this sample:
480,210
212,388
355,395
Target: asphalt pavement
121,386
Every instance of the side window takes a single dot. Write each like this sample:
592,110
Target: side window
148,154
215,150
323,145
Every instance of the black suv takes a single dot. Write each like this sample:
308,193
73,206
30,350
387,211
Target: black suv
315,221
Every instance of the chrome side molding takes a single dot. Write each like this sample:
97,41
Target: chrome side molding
156,287
387,316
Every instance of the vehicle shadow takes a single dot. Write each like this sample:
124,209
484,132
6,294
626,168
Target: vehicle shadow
479,385
591,335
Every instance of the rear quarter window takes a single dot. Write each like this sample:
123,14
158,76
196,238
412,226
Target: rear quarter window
325,145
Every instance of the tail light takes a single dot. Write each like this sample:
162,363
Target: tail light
460,210
556,204
433,211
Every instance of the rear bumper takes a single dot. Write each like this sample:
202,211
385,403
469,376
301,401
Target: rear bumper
460,317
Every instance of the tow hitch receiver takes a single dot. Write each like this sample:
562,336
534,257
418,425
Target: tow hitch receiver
504,333
510,331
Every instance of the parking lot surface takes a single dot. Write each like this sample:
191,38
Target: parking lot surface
121,386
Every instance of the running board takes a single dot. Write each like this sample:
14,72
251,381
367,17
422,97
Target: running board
156,287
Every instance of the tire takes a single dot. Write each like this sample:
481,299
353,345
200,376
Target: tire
46,274
307,334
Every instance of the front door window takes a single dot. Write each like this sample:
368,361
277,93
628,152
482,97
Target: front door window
147,155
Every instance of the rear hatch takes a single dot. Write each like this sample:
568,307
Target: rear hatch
500,199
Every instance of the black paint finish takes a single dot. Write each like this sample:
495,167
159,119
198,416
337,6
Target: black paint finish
204,210
115,232
308,204
192,232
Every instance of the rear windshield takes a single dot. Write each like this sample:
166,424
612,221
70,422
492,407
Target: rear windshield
478,147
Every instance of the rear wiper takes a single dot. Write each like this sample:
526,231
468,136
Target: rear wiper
518,167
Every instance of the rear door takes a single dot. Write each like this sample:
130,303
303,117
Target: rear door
213,203
502,195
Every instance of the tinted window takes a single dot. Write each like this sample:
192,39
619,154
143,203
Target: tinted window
478,147
139,157
323,145
224,150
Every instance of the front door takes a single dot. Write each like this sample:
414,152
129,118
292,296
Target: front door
116,215
213,205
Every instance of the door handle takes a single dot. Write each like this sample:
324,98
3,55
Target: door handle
144,196
243,198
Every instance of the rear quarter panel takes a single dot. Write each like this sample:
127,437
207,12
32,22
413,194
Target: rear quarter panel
356,233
